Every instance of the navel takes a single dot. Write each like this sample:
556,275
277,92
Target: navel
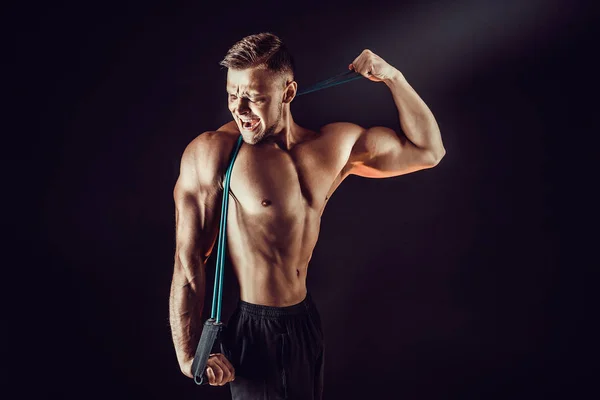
266,203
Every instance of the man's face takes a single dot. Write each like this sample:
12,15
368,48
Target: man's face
255,101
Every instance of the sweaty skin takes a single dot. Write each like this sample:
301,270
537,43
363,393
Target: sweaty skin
281,181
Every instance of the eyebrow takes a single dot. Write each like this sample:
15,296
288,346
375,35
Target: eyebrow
251,89
248,94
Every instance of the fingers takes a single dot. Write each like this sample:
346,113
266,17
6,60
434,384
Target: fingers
219,370
210,374
228,365
363,64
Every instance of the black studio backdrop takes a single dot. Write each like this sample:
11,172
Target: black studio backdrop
456,282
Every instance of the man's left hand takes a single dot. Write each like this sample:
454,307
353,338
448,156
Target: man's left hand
373,67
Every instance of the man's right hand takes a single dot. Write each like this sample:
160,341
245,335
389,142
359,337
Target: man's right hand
219,370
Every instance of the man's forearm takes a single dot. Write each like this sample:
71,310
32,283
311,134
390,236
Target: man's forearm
185,311
416,119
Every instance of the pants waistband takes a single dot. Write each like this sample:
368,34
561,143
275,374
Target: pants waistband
269,311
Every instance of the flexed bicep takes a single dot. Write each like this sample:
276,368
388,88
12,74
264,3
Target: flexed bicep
377,152
380,152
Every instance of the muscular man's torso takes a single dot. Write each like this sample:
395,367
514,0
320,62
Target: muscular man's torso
277,197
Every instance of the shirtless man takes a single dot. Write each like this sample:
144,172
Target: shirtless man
281,181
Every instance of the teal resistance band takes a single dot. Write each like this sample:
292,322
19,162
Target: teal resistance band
217,300
334,81
213,325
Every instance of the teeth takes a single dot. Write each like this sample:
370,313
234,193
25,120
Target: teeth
250,124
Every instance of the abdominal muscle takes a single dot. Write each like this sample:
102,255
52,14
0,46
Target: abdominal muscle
270,253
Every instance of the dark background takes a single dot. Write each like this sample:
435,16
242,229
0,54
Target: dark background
465,281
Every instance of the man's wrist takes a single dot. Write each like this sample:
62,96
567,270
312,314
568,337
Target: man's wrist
396,78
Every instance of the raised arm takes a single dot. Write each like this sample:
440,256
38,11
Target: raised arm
379,152
197,196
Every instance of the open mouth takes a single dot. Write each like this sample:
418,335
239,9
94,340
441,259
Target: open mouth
251,124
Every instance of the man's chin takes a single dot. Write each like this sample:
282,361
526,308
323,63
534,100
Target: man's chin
252,137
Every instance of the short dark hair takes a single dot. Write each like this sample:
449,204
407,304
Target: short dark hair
262,49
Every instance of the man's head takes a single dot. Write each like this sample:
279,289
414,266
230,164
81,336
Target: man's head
260,84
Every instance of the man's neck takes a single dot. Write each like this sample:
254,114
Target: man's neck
288,133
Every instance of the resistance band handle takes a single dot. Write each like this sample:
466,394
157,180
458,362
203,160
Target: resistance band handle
205,348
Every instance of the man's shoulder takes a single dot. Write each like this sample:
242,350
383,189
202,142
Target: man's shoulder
341,128
206,155
340,133
213,144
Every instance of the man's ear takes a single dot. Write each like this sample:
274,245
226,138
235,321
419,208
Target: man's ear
290,91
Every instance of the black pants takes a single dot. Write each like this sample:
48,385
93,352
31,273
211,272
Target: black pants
277,352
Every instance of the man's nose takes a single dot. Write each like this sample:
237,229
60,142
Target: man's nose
240,106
